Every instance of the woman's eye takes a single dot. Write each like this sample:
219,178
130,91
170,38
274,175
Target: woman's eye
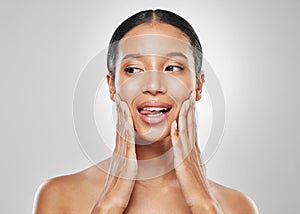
173,68
133,70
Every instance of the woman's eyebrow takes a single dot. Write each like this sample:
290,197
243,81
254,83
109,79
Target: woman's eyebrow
171,54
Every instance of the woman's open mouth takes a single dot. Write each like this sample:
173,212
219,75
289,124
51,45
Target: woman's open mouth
154,112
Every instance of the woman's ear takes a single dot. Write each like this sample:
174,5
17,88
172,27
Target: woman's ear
199,83
111,86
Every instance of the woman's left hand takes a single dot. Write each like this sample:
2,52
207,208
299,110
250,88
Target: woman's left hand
190,170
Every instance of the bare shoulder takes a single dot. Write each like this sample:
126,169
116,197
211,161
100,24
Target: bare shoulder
70,192
233,201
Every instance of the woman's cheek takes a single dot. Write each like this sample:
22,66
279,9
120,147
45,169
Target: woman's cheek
129,89
178,90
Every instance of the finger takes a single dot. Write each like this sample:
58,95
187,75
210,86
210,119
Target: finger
182,127
118,125
128,122
126,180
126,111
123,137
128,142
175,144
130,153
119,150
191,123
182,117
122,118
129,135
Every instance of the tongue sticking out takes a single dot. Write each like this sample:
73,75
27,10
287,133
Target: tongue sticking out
149,112
154,111
153,115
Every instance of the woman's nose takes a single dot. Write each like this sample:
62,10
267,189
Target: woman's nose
154,83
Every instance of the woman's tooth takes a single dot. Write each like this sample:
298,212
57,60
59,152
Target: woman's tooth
154,109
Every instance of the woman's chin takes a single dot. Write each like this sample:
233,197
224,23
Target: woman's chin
151,136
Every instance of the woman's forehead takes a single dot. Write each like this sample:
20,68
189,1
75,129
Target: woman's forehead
157,28
154,44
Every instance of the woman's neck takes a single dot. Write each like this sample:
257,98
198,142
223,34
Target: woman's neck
155,160
146,150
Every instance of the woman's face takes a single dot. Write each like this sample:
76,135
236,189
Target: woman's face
154,76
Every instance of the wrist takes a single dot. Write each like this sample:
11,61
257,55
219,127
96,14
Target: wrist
106,208
208,207
204,209
110,206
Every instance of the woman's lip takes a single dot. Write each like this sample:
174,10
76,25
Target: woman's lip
151,118
154,104
154,119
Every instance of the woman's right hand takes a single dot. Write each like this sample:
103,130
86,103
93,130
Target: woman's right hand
122,172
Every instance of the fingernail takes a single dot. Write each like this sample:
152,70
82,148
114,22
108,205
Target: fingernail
175,124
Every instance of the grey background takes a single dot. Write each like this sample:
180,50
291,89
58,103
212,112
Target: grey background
252,45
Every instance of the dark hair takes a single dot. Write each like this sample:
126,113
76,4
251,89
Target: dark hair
151,16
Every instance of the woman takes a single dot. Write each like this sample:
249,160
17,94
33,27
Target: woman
154,62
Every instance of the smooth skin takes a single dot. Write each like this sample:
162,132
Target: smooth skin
185,189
